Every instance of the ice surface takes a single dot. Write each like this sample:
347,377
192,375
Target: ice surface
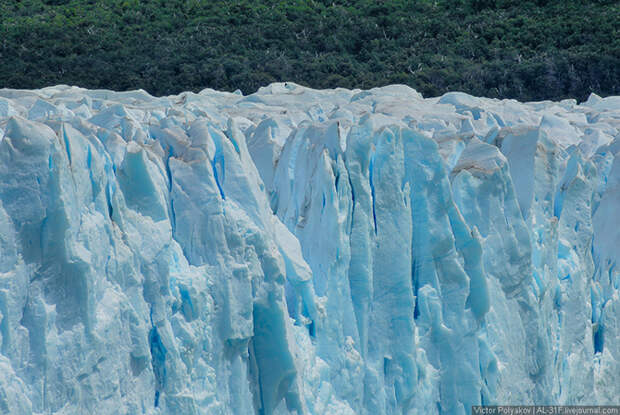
306,252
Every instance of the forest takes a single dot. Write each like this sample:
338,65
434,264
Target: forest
527,50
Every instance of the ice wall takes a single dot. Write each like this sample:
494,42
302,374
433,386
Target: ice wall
303,251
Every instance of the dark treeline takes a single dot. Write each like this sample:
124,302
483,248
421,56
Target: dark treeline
529,50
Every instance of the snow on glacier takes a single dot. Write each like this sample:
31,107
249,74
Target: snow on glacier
304,251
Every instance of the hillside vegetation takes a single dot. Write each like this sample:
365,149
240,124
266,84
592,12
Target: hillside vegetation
529,50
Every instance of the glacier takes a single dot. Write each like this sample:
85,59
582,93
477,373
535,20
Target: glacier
301,251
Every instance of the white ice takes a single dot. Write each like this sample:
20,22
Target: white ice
298,251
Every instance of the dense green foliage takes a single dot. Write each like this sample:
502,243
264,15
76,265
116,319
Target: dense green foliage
529,50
